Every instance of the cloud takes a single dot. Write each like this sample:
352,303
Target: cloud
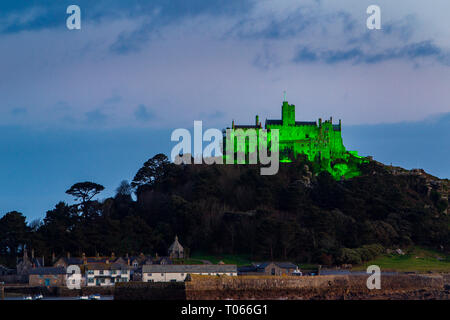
142,113
413,51
96,117
18,111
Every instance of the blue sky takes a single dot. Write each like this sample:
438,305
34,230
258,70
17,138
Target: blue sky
94,104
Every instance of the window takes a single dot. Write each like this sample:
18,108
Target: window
91,280
113,272
173,280
231,274
149,274
162,274
150,280
73,281
182,274
90,271
101,272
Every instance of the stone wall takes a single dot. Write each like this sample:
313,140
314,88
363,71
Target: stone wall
316,287
288,287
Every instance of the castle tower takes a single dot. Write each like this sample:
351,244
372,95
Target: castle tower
288,114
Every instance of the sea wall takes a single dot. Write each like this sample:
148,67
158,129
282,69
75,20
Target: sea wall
275,288
315,287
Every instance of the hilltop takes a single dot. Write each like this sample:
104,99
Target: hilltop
299,214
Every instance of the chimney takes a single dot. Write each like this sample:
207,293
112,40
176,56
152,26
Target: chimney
320,122
128,261
68,255
53,257
257,120
83,256
32,253
113,255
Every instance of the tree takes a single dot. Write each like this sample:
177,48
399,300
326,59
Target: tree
13,233
85,191
124,189
152,171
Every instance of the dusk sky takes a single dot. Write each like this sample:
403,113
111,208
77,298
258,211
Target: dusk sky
96,103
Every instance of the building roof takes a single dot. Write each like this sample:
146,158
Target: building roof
247,269
247,126
297,123
73,260
282,265
279,122
106,266
286,265
48,270
189,268
305,123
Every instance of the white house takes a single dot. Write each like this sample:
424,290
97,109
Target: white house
74,277
99,274
178,272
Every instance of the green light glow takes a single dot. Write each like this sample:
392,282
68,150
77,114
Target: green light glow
320,141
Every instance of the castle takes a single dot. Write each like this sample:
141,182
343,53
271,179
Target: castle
320,141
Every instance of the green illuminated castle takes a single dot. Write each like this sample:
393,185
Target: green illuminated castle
320,141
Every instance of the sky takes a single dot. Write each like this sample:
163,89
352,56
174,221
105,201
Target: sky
96,103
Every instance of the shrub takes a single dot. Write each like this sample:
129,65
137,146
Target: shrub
351,256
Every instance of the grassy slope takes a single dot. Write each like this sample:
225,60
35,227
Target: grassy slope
416,259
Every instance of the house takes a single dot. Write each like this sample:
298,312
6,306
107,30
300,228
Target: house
270,268
74,278
67,261
176,250
161,260
135,261
179,272
25,264
99,274
47,276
